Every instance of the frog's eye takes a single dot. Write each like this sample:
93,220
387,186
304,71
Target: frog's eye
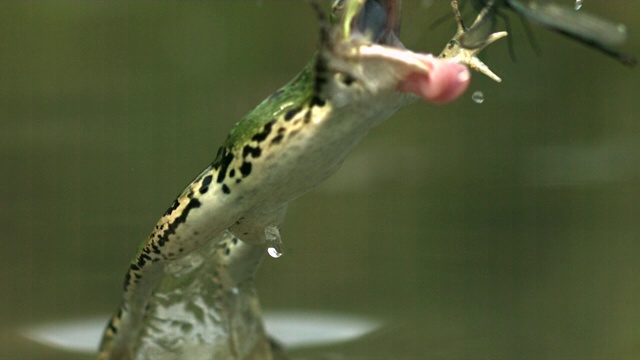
345,78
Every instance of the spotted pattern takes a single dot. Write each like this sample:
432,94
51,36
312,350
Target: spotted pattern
231,166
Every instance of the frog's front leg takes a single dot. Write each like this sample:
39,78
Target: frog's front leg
260,226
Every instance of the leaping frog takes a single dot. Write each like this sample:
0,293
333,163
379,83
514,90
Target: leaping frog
189,291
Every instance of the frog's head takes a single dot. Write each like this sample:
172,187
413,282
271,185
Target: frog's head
362,58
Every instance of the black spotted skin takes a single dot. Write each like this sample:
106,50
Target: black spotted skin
170,239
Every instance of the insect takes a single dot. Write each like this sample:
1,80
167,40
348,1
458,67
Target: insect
597,33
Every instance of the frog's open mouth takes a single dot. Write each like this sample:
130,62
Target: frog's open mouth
369,51
379,20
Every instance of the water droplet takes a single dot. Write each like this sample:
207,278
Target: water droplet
578,4
477,97
274,253
273,240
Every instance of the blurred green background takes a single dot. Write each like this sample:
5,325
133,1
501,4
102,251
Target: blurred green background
506,230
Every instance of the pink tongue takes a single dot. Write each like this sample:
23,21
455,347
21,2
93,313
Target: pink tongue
443,83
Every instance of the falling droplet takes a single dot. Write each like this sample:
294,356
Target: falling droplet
273,240
578,4
274,253
477,97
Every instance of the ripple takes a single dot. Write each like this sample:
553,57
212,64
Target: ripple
294,329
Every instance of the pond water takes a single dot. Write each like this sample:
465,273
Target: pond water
507,230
